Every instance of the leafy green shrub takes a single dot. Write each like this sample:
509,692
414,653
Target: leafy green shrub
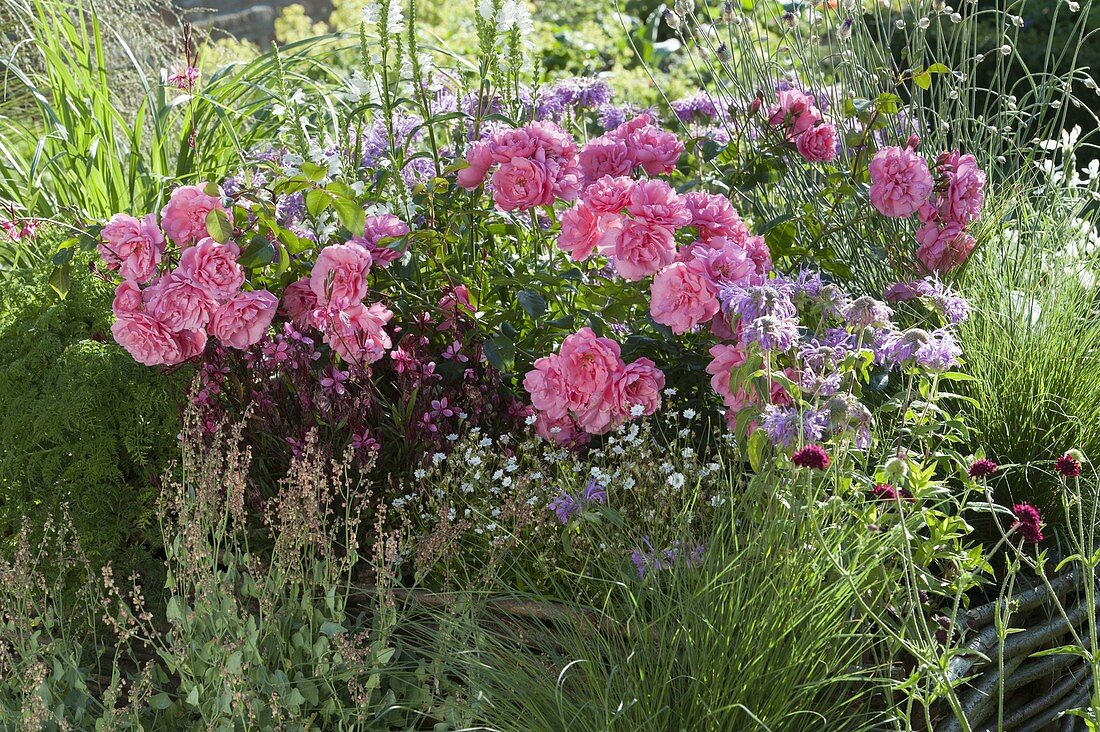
80,422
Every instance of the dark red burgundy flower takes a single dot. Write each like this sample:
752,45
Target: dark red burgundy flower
1028,522
982,468
1068,466
811,456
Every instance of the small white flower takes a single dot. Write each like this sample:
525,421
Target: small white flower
676,480
530,420
438,458
670,391
637,410
689,414
419,473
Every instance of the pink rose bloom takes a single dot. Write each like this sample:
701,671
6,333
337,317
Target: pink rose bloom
656,203
601,414
546,385
900,182
580,232
377,228
566,178
520,142
727,265
213,267
655,150
713,215
358,333
588,365
759,253
681,297
132,246
127,299
339,278
638,249
147,340
725,359
795,112
818,145
299,302
608,195
521,184
178,303
561,431
963,198
479,158
242,321
184,217
640,383
942,251
626,129
605,156
553,139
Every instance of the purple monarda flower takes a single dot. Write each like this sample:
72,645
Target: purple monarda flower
595,492
785,425
866,312
756,301
771,333
565,506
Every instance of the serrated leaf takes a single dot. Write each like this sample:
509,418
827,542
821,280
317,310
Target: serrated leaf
218,226
259,253
532,303
318,201
61,279
501,353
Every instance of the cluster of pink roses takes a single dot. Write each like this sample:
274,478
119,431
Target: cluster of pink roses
634,224
166,322
797,116
534,165
330,299
637,143
902,185
587,387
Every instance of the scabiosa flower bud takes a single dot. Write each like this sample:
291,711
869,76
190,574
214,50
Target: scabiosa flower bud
811,456
982,468
1028,522
1068,466
913,142
897,469
844,32
723,54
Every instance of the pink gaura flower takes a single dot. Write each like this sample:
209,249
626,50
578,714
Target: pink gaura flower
681,297
638,249
358,333
152,343
942,250
127,299
184,217
299,302
794,112
605,156
132,246
213,267
339,278
713,215
900,182
241,321
818,145
521,184
639,384
178,303
479,159
581,230
608,195
656,203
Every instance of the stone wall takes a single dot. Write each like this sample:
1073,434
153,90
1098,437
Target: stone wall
254,21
